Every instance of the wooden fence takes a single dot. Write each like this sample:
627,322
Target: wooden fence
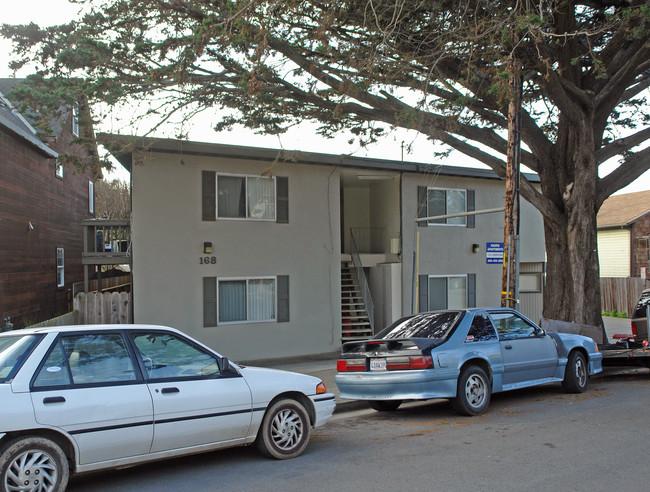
66,319
621,294
103,307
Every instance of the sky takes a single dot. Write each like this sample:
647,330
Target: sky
51,12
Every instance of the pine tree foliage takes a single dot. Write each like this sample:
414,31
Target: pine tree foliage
439,67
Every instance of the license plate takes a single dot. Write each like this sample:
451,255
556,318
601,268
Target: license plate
377,364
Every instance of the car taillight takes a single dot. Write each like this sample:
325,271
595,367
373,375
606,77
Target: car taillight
407,363
423,362
346,365
634,328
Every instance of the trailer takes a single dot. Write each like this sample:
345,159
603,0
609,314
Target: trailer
626,351
632,350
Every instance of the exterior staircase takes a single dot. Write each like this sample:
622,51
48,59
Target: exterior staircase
355,323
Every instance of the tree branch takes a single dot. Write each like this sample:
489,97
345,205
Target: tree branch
622,145
629,170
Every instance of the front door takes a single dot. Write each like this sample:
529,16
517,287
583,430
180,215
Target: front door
88,386
528,354
194,402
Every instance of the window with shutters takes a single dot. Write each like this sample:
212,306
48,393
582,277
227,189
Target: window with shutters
447,292
244,300
446,202
246,197
238,197
435,202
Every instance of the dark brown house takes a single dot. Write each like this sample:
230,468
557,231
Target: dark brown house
42,204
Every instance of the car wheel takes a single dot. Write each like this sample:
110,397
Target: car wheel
33,463
285,430
576,374
474,391
385,405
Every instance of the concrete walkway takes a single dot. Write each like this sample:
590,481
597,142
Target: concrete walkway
323,366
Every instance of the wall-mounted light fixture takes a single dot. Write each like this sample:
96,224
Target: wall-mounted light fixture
475,248
207,248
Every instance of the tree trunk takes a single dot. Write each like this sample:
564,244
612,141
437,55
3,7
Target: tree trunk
570,234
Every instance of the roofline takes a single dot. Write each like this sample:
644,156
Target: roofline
30,138
174,146
621,224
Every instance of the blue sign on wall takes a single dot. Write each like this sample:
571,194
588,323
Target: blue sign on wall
494,253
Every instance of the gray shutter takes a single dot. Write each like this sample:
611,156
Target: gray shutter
208,195
282,198
422,205
209,301
471,207
423,303
283,298
471,290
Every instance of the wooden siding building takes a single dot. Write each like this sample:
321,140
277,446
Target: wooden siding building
42,205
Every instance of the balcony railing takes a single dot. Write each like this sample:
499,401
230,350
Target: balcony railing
106,242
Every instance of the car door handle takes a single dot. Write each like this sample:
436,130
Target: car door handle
508,347
53,399
170,390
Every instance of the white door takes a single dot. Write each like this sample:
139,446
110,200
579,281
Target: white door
88,386
194,401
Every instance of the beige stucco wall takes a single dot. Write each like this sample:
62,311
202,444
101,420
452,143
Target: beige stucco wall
168,236
614,252
447,249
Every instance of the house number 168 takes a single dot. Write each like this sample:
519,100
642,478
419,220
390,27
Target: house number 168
208,260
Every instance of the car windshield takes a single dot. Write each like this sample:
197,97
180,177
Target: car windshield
640,311
437,325
13,351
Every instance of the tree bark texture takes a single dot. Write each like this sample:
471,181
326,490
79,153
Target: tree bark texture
572,291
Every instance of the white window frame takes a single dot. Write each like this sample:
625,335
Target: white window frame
246,177
60,267
446,223
75,120
58,169
538,281
247,279
91,197
463,276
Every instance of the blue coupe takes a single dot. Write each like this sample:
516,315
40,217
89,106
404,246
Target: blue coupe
464,355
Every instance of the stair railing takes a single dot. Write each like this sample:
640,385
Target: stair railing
362,282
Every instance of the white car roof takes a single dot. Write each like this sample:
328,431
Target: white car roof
71,328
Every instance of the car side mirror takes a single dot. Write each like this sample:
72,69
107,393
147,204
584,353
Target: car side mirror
225,364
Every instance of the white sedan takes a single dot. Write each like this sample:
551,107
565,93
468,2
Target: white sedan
83,398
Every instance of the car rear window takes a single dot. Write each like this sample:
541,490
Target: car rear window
13,352
437,325
640,310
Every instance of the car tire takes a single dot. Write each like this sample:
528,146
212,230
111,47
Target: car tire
385,405
576,374
285,430
33,463
474,392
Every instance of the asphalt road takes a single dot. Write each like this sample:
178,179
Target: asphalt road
534,439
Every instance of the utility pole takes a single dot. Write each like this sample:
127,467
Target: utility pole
510,276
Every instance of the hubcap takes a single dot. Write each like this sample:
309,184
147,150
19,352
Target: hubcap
286,429
31,471
475,390
581,372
